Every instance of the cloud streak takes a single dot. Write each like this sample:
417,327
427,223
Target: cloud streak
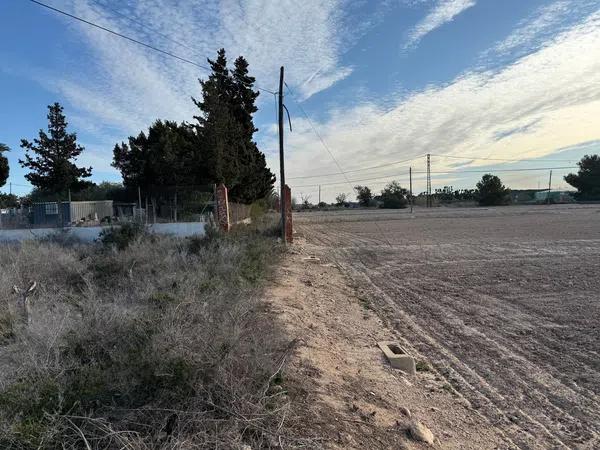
127,86
543,102
542,24
443,12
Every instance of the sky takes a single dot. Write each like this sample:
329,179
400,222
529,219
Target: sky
481,85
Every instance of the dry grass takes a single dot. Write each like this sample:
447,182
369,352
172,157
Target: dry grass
162,345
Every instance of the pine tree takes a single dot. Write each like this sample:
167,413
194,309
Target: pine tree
52,164
4,169
587,179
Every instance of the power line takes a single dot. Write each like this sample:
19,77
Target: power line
143,25
504,170
441,172
348,181
331,154
143,44
358,170
499,159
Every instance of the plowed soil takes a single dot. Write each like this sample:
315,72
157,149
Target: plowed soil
503,303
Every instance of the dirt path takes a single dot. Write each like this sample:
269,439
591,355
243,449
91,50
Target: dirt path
350,397
503,304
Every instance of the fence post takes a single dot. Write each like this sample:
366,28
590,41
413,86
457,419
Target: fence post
287,192
222,207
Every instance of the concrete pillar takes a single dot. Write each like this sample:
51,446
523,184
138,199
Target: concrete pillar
287,192
222,208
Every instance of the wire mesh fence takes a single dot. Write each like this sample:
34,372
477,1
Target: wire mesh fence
91,208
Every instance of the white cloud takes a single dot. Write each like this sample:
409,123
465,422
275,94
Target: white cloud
548,100
127,86
544,22
443,12
545,19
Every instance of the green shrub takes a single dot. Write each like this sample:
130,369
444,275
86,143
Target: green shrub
122,236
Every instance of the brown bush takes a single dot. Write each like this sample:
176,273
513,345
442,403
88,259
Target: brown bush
161,345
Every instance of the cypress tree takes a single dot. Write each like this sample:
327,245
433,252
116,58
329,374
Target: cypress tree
225,130
256,180
4,169
51,157
161,157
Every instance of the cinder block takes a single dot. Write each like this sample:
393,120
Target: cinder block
398,357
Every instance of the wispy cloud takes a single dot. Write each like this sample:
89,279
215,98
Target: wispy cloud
127,86
544,22
443,12
548,100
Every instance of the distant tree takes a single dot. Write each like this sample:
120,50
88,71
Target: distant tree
491,191
305,198
164,156
8,200
51,158
363,195
394,196
341,199
322,205
226,128
587,180
4,169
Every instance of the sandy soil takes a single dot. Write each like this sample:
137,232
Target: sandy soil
503,304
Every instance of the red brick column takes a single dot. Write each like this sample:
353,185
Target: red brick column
287,192
222,208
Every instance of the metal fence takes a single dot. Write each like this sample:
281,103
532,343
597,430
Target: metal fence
153,204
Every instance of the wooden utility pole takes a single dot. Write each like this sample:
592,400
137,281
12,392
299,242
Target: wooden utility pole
319,196
549,186
410,190
281,158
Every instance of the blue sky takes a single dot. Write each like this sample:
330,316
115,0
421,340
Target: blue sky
381,81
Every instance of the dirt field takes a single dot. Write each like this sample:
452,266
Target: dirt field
504,303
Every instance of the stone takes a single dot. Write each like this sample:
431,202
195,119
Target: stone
420,432
405,411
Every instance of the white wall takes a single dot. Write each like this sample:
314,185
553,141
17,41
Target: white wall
89,234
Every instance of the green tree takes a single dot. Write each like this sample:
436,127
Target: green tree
363,195
491,191
225,128
394,196
50,158
4,169
587,179
341,199
164,156
8,200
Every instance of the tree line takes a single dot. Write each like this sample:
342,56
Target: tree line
489,191
216,146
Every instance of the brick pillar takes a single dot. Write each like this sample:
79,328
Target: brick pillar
287,192
222,208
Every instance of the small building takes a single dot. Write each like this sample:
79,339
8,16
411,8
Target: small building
64,214
555,197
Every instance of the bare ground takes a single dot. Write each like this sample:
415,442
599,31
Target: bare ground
504,304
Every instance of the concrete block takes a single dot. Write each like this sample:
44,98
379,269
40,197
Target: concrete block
398,357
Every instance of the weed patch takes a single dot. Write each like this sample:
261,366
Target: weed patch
139,343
